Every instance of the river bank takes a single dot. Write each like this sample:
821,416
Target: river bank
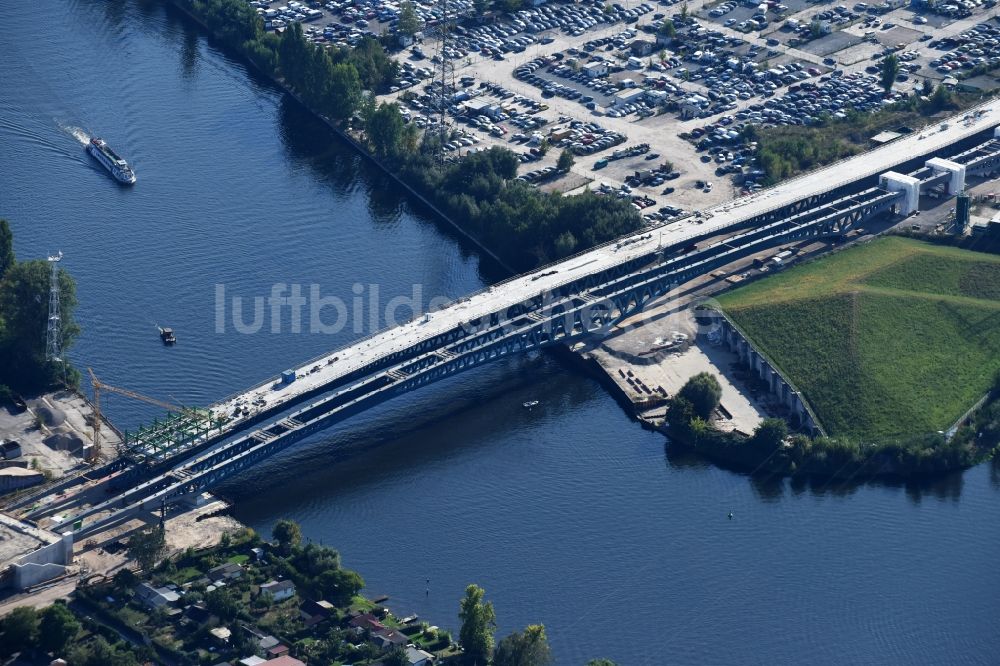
348,138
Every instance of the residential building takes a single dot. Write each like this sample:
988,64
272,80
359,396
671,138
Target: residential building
223,572
389,638
418,657
279,590
156,597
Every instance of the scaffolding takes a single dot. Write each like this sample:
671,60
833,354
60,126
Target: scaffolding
177,432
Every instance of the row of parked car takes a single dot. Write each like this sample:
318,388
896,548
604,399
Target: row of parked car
979,45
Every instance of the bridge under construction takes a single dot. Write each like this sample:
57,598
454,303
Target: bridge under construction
580,296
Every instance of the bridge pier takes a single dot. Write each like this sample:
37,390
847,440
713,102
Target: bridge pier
956,182
908,185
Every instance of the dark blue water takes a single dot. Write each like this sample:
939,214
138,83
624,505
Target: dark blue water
569,515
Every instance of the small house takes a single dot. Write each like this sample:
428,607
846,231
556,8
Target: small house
418,657
641,47
156,597
628,96
366,622
313,612
252,660
389,638
223,572
279,590
285,660
595,69
278,650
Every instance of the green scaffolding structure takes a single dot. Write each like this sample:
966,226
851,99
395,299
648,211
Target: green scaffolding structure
177,431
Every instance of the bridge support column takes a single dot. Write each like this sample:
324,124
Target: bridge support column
910,186
957,171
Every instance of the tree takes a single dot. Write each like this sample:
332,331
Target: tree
769,435
24,303
288,534
222,603
146,546
668,29
815,29
125,579
386,130
479,624
480,7
375,68
6,247
57,628
20,628
684,11
99,652
527,648
340,585
396,657
565,244
601,662
926,88
566,160
409,22
888,71
703,392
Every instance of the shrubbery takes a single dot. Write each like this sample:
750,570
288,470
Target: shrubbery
771,450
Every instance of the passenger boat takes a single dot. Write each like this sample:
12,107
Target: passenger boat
111,161
167,336
530,404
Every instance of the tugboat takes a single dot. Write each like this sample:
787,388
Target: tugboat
167,336
112,161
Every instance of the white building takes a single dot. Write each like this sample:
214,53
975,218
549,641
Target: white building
629,96
595,69
279,590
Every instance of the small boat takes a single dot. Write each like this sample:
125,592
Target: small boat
530,404
167,336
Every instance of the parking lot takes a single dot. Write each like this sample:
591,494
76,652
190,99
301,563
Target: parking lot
600,79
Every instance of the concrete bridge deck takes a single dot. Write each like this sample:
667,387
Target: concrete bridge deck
360,354
531,310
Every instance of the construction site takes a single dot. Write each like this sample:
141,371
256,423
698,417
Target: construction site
60,442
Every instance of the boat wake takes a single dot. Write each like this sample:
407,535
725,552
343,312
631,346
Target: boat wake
77,133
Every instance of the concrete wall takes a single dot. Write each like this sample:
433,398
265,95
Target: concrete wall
43,563
777,385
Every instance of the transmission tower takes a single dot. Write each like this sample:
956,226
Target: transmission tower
53,333
445,75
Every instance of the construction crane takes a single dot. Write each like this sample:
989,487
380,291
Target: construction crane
101,386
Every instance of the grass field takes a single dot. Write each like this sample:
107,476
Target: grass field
890,339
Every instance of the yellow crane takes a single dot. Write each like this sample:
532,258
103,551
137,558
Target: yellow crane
101,386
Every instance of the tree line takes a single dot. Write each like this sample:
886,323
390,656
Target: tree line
772,449
783,152
523,226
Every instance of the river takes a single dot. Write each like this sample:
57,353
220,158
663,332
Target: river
568,514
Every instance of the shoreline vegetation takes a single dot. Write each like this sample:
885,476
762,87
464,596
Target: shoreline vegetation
773,450
245,596
515,223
